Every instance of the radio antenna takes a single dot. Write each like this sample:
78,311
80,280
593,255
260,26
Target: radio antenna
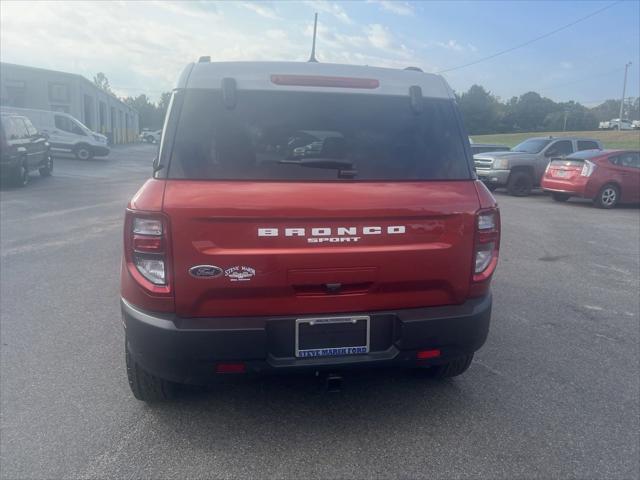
312,58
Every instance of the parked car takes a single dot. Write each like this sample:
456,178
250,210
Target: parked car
66,133
238,258
150,136
636,124
607,177
22,150
487,147
616,124
521,169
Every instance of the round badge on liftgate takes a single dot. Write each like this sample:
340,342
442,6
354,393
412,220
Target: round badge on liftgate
205,271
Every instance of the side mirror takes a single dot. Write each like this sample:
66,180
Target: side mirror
44,135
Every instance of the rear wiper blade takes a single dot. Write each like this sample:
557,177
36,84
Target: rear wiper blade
344,167
320,163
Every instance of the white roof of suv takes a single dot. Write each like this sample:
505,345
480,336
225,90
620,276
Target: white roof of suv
260,76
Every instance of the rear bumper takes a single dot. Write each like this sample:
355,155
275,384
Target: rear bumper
576,189
188,350
493,177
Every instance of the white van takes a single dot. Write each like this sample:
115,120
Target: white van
65,132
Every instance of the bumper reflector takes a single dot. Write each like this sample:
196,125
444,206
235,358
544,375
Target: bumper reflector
238,367
426,354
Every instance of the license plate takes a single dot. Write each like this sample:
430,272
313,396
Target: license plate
561,173
332,336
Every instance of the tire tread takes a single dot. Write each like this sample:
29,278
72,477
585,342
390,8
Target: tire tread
513,180
453,368
145,386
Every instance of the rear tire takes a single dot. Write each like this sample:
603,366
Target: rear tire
491,188
607,197
83,152
520,184
452,369
145,386
560,197
47,169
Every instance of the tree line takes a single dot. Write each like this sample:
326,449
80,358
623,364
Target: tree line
485,113
150,114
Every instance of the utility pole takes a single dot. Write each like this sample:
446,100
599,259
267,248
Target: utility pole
564,126
624,89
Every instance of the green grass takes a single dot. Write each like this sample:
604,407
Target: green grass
629,139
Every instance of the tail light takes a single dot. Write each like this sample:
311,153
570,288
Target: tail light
233,367
146,250
588,168
487,244
427,354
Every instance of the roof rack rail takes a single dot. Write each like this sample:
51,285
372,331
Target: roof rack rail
204,59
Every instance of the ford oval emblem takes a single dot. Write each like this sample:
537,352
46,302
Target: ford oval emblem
205,271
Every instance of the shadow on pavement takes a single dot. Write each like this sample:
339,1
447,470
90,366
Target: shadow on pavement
271,402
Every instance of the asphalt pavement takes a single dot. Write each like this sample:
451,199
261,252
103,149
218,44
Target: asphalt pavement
553,394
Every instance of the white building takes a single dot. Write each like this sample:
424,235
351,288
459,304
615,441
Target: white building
30,87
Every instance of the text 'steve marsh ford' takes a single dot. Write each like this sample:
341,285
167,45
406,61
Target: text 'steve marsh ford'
306,216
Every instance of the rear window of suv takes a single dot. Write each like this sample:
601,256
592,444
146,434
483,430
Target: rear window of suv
316,136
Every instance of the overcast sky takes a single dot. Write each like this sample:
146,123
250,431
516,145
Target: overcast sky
143,45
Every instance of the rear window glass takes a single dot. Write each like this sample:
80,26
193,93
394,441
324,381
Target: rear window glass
487,148
316,136
566,162
31,130
534,145
587,145
586,154
14,128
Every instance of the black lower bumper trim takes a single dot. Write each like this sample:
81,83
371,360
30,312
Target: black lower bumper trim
187,350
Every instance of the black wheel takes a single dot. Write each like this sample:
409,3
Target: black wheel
47,169
560,197
492,188
21,175
452,369
148,139
608,196
145,386
520,184
83,152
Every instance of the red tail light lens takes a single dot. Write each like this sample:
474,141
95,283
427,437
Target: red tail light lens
238,367
145,250
143,243
426,354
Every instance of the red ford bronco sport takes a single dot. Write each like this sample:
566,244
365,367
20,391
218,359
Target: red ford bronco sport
306,216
